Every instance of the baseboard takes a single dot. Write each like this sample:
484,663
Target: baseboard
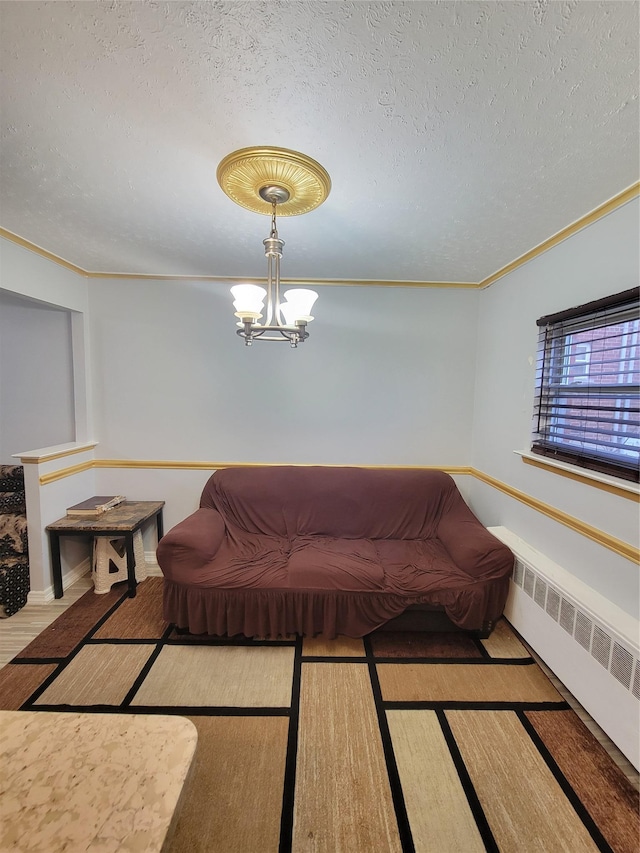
153,569
84,568
46,596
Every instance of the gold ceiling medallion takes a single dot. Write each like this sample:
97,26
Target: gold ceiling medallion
244,173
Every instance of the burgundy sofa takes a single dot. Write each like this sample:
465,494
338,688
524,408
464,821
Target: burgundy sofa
328,551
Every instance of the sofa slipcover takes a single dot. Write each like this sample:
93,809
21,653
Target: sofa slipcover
325,551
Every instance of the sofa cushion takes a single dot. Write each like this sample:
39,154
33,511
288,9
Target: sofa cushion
418,566
325,562
245,561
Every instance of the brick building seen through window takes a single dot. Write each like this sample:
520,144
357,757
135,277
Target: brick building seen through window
588,378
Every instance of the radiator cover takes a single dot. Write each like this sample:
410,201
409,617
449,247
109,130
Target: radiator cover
589,644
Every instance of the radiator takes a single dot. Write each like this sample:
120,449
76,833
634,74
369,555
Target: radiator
591,645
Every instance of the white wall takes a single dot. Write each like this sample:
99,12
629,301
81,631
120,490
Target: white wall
25,273
38,297
386,377
45,288
36,376
600,260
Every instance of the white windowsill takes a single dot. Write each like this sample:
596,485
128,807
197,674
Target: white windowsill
584,473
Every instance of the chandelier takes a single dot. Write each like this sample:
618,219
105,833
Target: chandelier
271,181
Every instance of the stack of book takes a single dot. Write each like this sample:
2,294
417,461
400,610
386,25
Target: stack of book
95,506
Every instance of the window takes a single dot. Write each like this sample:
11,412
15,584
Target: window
587,407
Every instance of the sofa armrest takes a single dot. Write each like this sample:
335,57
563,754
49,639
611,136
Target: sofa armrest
191,543
471,546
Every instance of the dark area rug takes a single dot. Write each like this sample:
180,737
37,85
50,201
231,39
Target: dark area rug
397,742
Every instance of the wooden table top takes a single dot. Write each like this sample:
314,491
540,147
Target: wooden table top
124,517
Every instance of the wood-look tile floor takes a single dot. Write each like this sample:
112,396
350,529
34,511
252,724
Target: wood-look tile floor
20,629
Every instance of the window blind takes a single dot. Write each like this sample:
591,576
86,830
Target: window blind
587,404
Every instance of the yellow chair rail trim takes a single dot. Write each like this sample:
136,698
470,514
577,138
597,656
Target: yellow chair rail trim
624,549
52,476
629,552
187,465
212,466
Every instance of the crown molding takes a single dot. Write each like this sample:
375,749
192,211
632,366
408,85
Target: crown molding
369,282
597,213
38,250
307,282
588,219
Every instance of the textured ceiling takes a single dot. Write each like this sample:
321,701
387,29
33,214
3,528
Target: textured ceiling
458,135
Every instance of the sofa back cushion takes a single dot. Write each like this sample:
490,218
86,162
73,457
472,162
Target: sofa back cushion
351,503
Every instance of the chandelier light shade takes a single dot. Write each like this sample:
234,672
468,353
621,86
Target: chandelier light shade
270,181
297,305
248,301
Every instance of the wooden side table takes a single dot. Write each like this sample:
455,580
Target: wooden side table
123,520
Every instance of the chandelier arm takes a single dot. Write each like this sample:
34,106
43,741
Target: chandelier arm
270,312
283,334
274,261
277,316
